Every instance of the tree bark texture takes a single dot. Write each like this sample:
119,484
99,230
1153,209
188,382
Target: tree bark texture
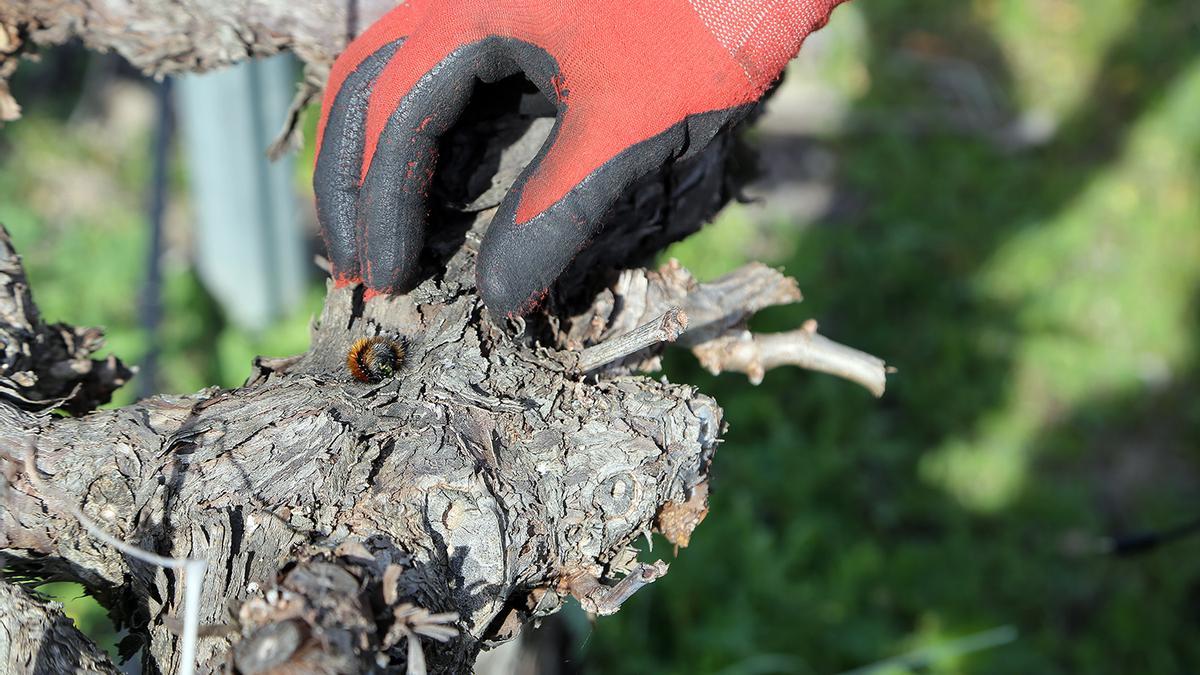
172,36
488,479
35,636
352,527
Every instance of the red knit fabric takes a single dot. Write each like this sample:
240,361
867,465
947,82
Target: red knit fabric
763,35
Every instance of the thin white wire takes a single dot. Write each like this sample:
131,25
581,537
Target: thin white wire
193,569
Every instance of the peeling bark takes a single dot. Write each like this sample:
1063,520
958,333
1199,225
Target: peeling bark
487,479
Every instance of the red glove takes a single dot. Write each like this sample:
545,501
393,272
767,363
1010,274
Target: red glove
638,83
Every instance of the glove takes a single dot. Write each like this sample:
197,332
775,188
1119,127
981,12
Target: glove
637,83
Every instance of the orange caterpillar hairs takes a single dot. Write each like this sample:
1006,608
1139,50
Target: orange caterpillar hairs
372,359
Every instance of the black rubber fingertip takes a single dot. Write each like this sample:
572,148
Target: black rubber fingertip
505,294
494,292
339,164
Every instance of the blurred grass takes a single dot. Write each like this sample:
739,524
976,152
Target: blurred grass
87,614
74,198
1041,306
1041,300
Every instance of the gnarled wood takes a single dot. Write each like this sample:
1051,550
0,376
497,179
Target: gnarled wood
347,525
487,477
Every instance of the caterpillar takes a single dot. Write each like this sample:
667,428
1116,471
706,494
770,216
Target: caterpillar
372,359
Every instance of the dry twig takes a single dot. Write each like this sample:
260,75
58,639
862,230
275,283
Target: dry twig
718,312
665,328
755,354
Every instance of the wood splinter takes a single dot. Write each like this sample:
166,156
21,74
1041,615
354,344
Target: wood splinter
665,328
601,600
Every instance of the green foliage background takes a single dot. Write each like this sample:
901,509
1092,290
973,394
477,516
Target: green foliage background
1040,302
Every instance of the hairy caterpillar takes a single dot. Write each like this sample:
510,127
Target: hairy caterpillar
373,359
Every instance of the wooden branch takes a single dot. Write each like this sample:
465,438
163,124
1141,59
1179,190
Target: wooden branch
754,354
665,328
475,482
193,570
716,334
603,600
35,637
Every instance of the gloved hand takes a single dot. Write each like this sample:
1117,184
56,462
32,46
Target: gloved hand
637,83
